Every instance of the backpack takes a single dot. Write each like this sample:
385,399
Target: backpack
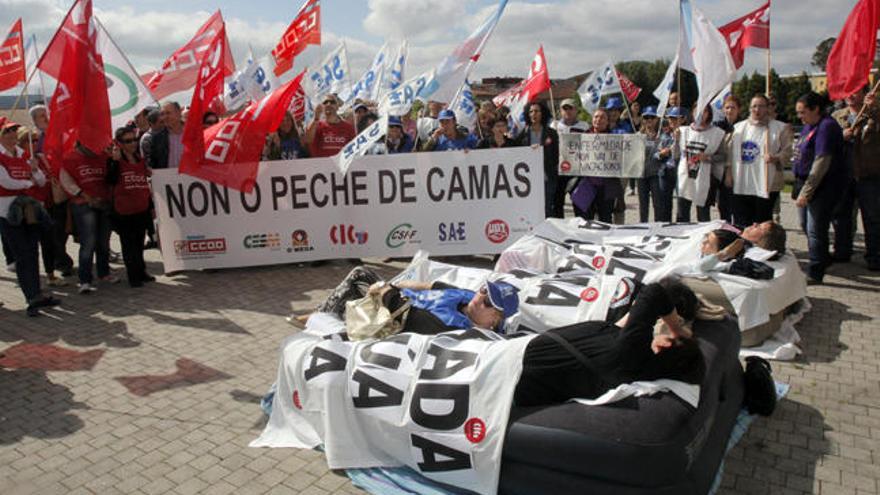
760,389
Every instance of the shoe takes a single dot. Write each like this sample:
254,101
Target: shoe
56,282
114,256
46,302
151,244
86,288
67,273
33,311
109,279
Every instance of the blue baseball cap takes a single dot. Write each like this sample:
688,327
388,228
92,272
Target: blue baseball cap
649,112
446,115
613,103
676,112
503,297
392,120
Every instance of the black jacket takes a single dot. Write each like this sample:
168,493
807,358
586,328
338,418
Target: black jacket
550,142
158,157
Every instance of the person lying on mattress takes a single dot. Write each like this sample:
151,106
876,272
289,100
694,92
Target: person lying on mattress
436,307
724,251
587,359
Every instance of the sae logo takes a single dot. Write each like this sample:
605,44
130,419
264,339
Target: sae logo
452,232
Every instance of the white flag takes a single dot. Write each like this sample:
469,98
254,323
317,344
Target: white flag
31,57
331,76
704,50
465,107
395,70
600,82
718,103
361,143
126,91
399,101
367,87
235,95
665,88
455,68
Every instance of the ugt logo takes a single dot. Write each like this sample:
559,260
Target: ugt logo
343,234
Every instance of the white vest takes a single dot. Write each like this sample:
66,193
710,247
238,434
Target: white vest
691,143
751,176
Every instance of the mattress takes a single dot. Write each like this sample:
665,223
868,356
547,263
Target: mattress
654,444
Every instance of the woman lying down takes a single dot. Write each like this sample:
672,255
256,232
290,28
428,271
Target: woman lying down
652,341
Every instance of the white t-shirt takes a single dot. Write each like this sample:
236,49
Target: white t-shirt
748,145
563,128
692,143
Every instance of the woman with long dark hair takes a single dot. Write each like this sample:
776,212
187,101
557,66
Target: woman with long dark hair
539,133
285,143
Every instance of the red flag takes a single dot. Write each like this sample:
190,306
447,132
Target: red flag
79,107
181,70
298,105
229,152
629,88
529,88
752,29
849,62
305,30
12,70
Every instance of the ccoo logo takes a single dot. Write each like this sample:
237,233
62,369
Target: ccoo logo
343,234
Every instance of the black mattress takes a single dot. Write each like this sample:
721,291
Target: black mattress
657,444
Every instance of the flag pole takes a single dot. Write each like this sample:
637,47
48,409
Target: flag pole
552,102
768,71
42,83
20,95
678,66
350,88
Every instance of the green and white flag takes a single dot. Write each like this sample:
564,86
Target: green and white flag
128,95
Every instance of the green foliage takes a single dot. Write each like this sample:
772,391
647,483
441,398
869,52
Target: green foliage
820,56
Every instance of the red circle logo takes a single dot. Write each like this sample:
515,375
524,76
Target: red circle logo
590,294
475,430
598,262
296,401
497,231
565,166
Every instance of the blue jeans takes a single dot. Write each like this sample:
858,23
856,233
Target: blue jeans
868,191
649,191
93,226
816,221
665,187
23,241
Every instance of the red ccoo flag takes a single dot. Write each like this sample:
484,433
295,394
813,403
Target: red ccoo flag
12,69
852,55
79,107
181,70
305,30
750,30
629,88
534,84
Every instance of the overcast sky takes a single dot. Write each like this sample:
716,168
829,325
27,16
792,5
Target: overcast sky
577,35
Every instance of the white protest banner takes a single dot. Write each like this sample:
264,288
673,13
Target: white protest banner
602,155
451,203
361,143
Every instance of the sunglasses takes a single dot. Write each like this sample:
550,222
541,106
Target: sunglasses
128,141
329,102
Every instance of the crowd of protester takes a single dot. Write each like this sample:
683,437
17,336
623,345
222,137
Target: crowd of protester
704,164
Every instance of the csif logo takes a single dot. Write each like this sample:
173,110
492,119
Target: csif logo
497,231
260,241
400,235
343,234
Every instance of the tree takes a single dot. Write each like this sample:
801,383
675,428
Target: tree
820,56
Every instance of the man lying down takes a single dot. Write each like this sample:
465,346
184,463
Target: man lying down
438,399
651,341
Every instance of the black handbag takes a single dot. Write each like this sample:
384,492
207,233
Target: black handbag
760,389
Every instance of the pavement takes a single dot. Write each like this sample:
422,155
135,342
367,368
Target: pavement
156,390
